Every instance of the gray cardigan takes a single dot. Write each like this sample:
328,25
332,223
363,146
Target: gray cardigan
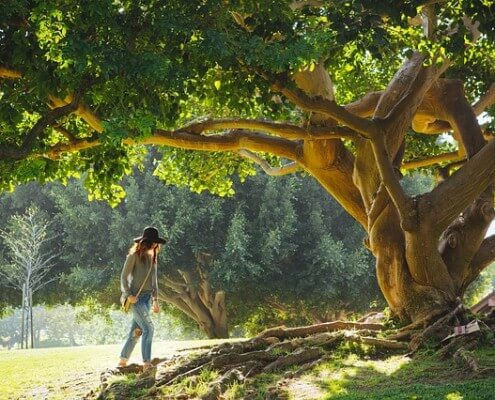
134,273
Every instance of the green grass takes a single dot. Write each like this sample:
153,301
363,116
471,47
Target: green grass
67,372
422,378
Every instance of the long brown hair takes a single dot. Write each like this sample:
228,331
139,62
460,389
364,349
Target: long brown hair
142,247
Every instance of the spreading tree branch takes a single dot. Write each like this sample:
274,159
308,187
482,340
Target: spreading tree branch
407,106
433,160
230,141
389,177
329,108
284,130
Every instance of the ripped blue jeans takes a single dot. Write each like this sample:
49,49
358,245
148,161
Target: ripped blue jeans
141,323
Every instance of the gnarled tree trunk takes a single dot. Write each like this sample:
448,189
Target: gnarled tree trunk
429,248
197,300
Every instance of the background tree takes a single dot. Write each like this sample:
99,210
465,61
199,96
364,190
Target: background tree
94,238
29,263
86,86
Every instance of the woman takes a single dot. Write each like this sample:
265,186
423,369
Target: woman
139,285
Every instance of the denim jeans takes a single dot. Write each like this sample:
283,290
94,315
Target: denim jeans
140,319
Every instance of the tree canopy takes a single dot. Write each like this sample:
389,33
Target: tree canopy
87,85
85,80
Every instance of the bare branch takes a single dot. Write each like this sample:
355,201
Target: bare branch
407,106
176,286
365,107
269,170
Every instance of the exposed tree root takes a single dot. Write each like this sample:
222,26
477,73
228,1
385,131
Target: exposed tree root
273,350
283,348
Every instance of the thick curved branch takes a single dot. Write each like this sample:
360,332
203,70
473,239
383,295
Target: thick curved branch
465,186
178,302
285,130
423,79
267,168
231,141
432,125
329,108
365,107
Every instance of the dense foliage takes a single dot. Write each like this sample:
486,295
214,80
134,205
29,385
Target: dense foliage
160,64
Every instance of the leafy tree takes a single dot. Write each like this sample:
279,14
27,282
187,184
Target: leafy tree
86,85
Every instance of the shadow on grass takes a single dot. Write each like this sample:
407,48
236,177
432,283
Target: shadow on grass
425,377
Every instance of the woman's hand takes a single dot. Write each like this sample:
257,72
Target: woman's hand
156,306
133,299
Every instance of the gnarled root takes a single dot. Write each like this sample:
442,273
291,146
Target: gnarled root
273,350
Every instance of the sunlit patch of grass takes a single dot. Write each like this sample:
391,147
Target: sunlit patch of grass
235,391
426,377
194,386
453,396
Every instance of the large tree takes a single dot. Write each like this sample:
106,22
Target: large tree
87,84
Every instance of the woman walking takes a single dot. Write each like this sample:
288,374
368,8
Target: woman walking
139,285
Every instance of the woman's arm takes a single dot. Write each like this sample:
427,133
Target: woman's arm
154,290
154,282
126,274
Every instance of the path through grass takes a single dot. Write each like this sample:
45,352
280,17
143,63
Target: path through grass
67,372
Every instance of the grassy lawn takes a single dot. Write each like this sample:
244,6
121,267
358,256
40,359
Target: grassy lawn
70,373
67,372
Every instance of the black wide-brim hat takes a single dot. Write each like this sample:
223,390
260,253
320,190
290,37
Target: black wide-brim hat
150,234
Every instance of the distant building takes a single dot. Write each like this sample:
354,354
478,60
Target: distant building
485,305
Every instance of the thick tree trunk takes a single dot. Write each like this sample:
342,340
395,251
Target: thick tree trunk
429,248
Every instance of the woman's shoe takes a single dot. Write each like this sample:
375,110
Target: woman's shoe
122,363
